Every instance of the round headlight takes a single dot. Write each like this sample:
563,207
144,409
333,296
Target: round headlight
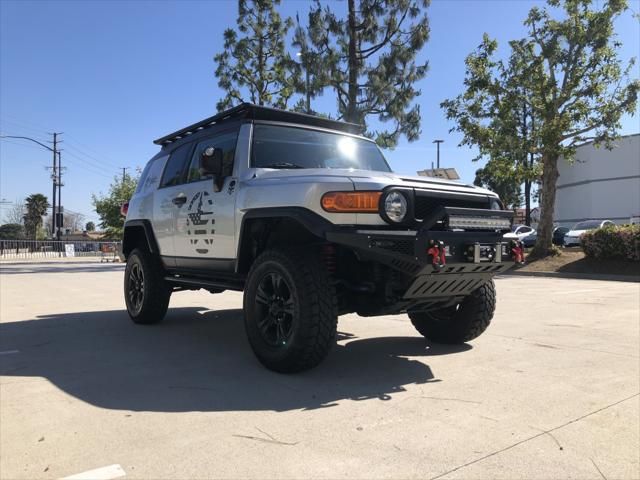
495,204
395,206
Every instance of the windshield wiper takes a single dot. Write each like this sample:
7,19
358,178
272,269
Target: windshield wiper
282,165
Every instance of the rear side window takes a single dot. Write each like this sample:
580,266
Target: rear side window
173,172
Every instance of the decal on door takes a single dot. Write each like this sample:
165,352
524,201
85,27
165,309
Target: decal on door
200,222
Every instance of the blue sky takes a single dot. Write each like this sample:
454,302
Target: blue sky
115,75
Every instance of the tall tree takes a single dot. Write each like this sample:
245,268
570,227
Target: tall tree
369,59
495,113
577,85
36,206
108,206
256,67
312,80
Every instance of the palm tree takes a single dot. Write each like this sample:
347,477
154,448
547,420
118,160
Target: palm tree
36,206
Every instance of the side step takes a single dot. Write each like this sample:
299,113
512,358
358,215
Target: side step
206,283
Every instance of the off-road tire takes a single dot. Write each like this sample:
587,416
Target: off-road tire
460,323
313,323
155,291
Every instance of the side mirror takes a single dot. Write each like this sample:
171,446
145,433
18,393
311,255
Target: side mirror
211,164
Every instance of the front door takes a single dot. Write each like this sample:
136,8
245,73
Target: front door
205,225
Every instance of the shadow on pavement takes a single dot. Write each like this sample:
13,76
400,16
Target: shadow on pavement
199,360
58,267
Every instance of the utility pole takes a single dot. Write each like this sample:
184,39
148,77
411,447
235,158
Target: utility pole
438,142
54,176
60,185
124,173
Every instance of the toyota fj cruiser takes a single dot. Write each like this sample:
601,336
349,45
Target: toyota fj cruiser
304,214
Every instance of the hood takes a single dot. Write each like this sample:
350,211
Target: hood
575,233
370,180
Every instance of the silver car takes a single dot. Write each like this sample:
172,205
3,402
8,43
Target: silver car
305,216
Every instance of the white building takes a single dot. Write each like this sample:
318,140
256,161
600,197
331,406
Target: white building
601,184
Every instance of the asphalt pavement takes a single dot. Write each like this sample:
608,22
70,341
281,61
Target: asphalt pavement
551,390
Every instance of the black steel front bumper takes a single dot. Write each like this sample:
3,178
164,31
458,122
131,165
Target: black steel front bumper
472,257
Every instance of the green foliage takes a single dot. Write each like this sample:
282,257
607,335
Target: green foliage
565,79
369,60
36,206
256,67
90,226
509,191
619,242
108,206
12,231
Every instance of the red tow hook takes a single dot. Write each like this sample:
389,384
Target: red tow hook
437,253
517,251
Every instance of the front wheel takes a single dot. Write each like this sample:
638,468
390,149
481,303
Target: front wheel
290,310
146,293
460,323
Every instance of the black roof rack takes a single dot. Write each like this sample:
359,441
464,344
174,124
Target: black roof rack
256,112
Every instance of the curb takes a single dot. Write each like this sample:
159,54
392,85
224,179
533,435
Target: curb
576,276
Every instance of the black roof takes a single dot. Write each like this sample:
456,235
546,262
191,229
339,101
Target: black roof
256,112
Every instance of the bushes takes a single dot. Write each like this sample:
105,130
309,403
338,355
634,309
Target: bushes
620,242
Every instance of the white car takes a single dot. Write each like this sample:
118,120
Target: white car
572,237
519,232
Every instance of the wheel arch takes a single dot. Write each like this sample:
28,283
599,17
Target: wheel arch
138,233
263,227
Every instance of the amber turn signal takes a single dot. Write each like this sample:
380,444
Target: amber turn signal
351,202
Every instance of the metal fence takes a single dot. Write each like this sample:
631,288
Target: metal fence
32,249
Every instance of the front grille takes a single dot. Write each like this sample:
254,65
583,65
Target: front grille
426,205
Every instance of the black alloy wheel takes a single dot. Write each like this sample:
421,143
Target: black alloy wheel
275,309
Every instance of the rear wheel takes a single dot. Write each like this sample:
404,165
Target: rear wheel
145,291
290,310
460,323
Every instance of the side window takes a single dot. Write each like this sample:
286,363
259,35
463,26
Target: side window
525,230
143,177
175,166
226,142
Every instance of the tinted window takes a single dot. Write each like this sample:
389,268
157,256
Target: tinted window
524,230
290,147
226,142
175,166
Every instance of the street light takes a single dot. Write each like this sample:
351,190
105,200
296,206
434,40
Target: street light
56,179
438,142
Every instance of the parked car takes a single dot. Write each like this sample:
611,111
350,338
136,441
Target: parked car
572,237
305,216
557,239
519,232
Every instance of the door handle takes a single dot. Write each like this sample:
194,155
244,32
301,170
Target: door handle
179,200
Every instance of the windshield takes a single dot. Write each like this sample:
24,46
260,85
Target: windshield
587,225
277,146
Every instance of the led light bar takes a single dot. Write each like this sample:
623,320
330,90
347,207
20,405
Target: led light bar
479,223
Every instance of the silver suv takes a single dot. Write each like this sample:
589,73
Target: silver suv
305,216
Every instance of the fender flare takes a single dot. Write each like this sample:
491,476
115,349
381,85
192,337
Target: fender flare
311,221
150,237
